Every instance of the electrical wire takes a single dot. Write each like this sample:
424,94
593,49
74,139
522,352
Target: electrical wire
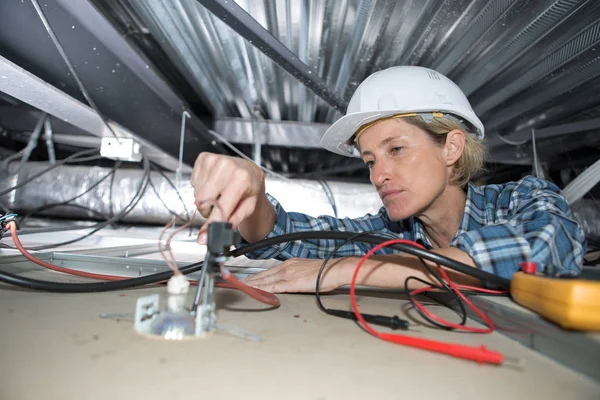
173,213
170,182
70,66
258,294
132,204
233,282
477,354
512,142
481,354
444,286
63,203
162,276
456,289
391,322
495,280
73,158
273,173
170,258
13,230
330,197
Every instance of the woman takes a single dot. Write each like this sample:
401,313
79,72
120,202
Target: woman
421,140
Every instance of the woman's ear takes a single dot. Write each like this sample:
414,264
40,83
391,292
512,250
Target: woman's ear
455,145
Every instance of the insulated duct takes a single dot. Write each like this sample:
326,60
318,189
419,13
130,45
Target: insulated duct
160,200
306,196
587,212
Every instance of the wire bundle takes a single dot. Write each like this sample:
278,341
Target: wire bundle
477,354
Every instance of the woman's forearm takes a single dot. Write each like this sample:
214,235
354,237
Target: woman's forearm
260,223
390,271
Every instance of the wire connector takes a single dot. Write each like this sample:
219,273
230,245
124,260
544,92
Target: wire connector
178,284
221,237
177,288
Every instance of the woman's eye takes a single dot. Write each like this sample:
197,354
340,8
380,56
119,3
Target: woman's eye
396,150
370,163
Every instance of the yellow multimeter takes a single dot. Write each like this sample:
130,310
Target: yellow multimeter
572,303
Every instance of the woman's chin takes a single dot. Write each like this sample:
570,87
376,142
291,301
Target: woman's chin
398,215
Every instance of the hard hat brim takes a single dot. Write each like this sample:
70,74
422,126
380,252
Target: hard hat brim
336,138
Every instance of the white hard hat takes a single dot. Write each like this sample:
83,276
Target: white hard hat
400,90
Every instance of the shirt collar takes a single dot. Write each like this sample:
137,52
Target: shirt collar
420,234
473,212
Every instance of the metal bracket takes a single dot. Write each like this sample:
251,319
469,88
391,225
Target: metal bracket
146,310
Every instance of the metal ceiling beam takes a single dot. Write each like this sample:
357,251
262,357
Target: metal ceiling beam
572,127
548,132
243,23
272,133
547,150
28,88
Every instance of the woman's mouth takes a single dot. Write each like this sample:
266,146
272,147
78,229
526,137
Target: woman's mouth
389,194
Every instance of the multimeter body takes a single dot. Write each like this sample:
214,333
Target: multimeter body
572,303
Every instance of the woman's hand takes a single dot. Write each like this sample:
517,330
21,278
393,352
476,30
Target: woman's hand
299,275
238,186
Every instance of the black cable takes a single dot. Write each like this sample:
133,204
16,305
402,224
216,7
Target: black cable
325,261
391,322
134,201
444,286
62,203
59,287
70,66
86,159
173,213
170,182
110,194
159,277
382,320
71,159
80,206
501,283
425,316
329,194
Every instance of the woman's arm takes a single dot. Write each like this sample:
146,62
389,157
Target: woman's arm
293,222
385,271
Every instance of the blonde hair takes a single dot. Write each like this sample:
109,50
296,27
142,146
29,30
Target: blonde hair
470,163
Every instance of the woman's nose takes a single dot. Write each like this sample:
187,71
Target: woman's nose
380,173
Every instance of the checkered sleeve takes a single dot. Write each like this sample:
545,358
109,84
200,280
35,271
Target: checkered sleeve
290,222
537,225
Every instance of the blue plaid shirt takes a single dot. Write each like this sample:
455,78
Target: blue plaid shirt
527,220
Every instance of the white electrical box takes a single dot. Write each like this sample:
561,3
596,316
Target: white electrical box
120,149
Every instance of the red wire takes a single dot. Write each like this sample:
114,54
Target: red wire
13,232
448,323
478,354
233,282
482,290
258,294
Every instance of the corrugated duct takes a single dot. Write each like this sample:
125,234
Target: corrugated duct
161,200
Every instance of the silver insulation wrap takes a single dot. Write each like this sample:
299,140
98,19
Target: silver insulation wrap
158,206
587,212
161,201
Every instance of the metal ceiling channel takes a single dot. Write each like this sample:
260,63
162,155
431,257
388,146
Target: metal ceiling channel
495,50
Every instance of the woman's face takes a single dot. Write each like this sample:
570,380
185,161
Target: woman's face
407,168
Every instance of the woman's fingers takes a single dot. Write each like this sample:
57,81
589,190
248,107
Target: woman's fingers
225,189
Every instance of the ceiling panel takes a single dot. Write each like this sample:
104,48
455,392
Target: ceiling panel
511,57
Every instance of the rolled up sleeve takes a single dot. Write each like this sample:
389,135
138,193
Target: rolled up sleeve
291,222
